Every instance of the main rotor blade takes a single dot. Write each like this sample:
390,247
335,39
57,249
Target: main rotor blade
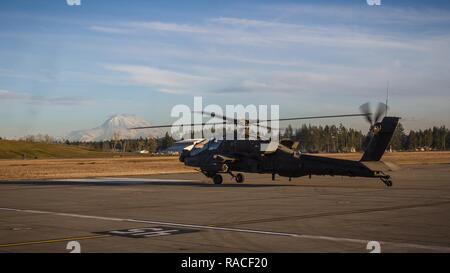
287,119
187,125
234,120
176,125
253,122
323,117
212,114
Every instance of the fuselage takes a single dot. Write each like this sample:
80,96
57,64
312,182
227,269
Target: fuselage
251,156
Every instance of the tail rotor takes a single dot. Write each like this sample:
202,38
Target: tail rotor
381,130
372,118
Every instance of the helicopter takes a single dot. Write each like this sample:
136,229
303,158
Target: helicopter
217,157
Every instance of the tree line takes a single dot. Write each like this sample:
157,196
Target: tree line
328,138
150,144
325,138
341,139
436,138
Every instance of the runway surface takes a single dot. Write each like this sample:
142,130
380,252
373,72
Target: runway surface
187,213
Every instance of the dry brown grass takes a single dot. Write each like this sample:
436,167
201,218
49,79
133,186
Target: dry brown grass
126,166
403,158
91,167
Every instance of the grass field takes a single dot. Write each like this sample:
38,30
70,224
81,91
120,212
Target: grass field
11,149
128,166
89,167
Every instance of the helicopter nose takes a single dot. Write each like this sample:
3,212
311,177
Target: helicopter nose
183,155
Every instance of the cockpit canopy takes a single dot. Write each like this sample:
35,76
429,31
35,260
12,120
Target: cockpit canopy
203,145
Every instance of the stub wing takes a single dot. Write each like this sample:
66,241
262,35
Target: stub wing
381,166
223,159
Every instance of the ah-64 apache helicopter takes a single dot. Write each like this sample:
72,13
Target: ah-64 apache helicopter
214,157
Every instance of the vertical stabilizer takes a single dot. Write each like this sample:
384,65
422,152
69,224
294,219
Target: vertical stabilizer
379,137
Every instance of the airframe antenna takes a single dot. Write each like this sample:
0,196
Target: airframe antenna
387,98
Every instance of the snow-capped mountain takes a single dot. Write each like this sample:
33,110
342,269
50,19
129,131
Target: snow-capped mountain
116,127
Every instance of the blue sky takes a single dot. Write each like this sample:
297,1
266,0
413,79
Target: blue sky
70,67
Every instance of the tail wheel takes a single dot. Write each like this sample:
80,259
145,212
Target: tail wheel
217,179
387,181
239,178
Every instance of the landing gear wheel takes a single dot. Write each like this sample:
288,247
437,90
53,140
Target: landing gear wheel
217,179
225,168
239,178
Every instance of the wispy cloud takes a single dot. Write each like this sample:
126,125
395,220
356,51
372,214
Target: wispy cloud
250,22
385,14
163,80
140,27
107,29
9,95
287,33
242,31
171,27
28,98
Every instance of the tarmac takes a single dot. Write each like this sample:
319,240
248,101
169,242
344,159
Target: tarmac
187,213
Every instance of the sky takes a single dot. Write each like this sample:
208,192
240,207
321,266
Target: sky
64,68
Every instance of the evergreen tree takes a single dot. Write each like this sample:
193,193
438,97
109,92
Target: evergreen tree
166,141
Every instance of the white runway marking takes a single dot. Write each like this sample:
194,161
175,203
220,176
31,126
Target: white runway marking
123,180
261,232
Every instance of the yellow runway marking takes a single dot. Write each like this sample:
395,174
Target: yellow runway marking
55,240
